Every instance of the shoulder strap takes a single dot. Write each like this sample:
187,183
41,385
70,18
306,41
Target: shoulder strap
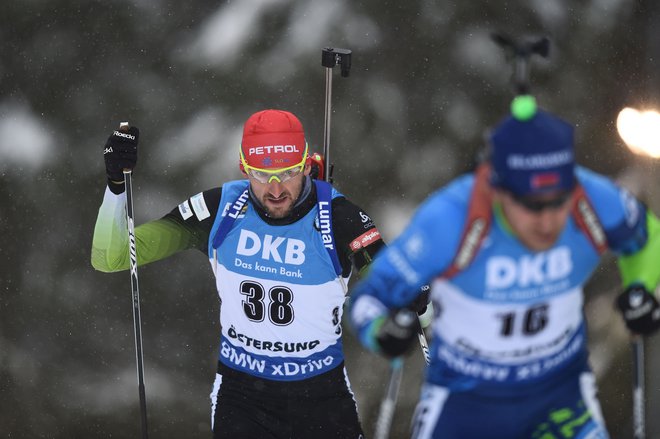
480,215
587,220
324,204
229,217
478,222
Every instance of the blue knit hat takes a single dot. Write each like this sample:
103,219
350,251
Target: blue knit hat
533,156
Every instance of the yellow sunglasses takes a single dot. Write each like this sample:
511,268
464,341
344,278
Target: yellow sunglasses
280,175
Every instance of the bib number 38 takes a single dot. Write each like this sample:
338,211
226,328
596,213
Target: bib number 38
276,305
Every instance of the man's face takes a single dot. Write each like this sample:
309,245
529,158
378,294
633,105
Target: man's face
539,220
277,197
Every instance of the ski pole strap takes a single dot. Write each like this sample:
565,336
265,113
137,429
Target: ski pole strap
230,217
324,204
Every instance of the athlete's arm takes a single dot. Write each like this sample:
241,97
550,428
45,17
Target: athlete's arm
642,266
423,251
358,239
185,227
632,231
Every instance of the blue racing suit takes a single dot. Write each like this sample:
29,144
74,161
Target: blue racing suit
509,347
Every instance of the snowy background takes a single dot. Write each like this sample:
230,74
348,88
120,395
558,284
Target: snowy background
426,83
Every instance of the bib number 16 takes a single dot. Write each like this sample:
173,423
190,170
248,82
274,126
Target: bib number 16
529,322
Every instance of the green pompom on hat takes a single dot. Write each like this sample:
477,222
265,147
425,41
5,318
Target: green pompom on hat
523,107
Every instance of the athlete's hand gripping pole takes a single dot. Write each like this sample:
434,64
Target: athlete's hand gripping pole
132,253
641,313
330,57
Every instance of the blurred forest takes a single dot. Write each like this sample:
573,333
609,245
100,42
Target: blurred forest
426,83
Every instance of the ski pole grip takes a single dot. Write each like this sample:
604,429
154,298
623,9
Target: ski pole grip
124,127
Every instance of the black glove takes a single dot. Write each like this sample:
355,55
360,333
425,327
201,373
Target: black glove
423,307
396,334
640,310
421,301
120,152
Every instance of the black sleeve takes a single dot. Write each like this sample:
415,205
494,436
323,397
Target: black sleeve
358,240
197,214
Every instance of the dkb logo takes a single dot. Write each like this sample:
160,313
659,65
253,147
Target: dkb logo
530,270
249,244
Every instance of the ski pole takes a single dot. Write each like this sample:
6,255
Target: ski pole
420,332
330,57
423,343
387,406
639,427
132,254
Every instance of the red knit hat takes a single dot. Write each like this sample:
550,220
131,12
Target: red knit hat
273,139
